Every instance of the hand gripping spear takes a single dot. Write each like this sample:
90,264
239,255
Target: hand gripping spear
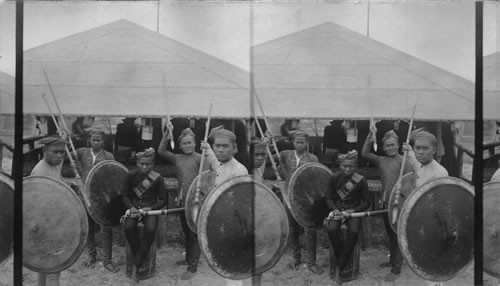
196,207
395,210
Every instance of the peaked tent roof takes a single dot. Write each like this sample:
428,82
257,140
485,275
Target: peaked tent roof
328,71
7,91
491,86
123,69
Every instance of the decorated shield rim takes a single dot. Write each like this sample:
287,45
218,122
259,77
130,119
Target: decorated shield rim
4,178
86,187
403,226
83,236
485,187
290,186
203,219
392,196
190,193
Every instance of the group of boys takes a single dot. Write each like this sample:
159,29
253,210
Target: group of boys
144,189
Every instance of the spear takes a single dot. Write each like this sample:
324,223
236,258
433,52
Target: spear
169,127
72,161
273,163
279,181
61,117
395,210
267,124
196,207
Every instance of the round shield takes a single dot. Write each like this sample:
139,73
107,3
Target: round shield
103,190
407,186
491,224
307,190
207,185
6,217
242,228
55,225
436,228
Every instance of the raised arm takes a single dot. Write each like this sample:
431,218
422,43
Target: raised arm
410,156
162,149
209,154
365,152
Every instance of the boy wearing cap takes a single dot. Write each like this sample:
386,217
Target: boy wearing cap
421,157
389,167
259,149
87,158
221,158
54,150
347,193
187,164
290,161
143,190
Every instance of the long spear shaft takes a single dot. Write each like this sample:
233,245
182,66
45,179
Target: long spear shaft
268,126
70,157
395,210
61,117
164,211
366,214
78,178
198,183
273,163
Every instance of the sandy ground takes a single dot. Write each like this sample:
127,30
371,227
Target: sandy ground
168,273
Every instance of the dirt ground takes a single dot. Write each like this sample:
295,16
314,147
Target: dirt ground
168,273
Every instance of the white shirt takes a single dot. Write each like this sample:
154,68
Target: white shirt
225,171
426,172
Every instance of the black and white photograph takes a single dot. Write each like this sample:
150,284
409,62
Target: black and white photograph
491,140
250,142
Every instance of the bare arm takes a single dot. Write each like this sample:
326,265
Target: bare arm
162,149
366,149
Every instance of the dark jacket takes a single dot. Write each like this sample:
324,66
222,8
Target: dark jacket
154,197
357,199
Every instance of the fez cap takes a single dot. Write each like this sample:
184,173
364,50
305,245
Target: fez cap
98,131
258,143
299,133
351,155
148,153
424,135
52,140
390,134
184,133
224,133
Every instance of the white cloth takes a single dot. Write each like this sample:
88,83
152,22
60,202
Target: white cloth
225,171
42,168
426,172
